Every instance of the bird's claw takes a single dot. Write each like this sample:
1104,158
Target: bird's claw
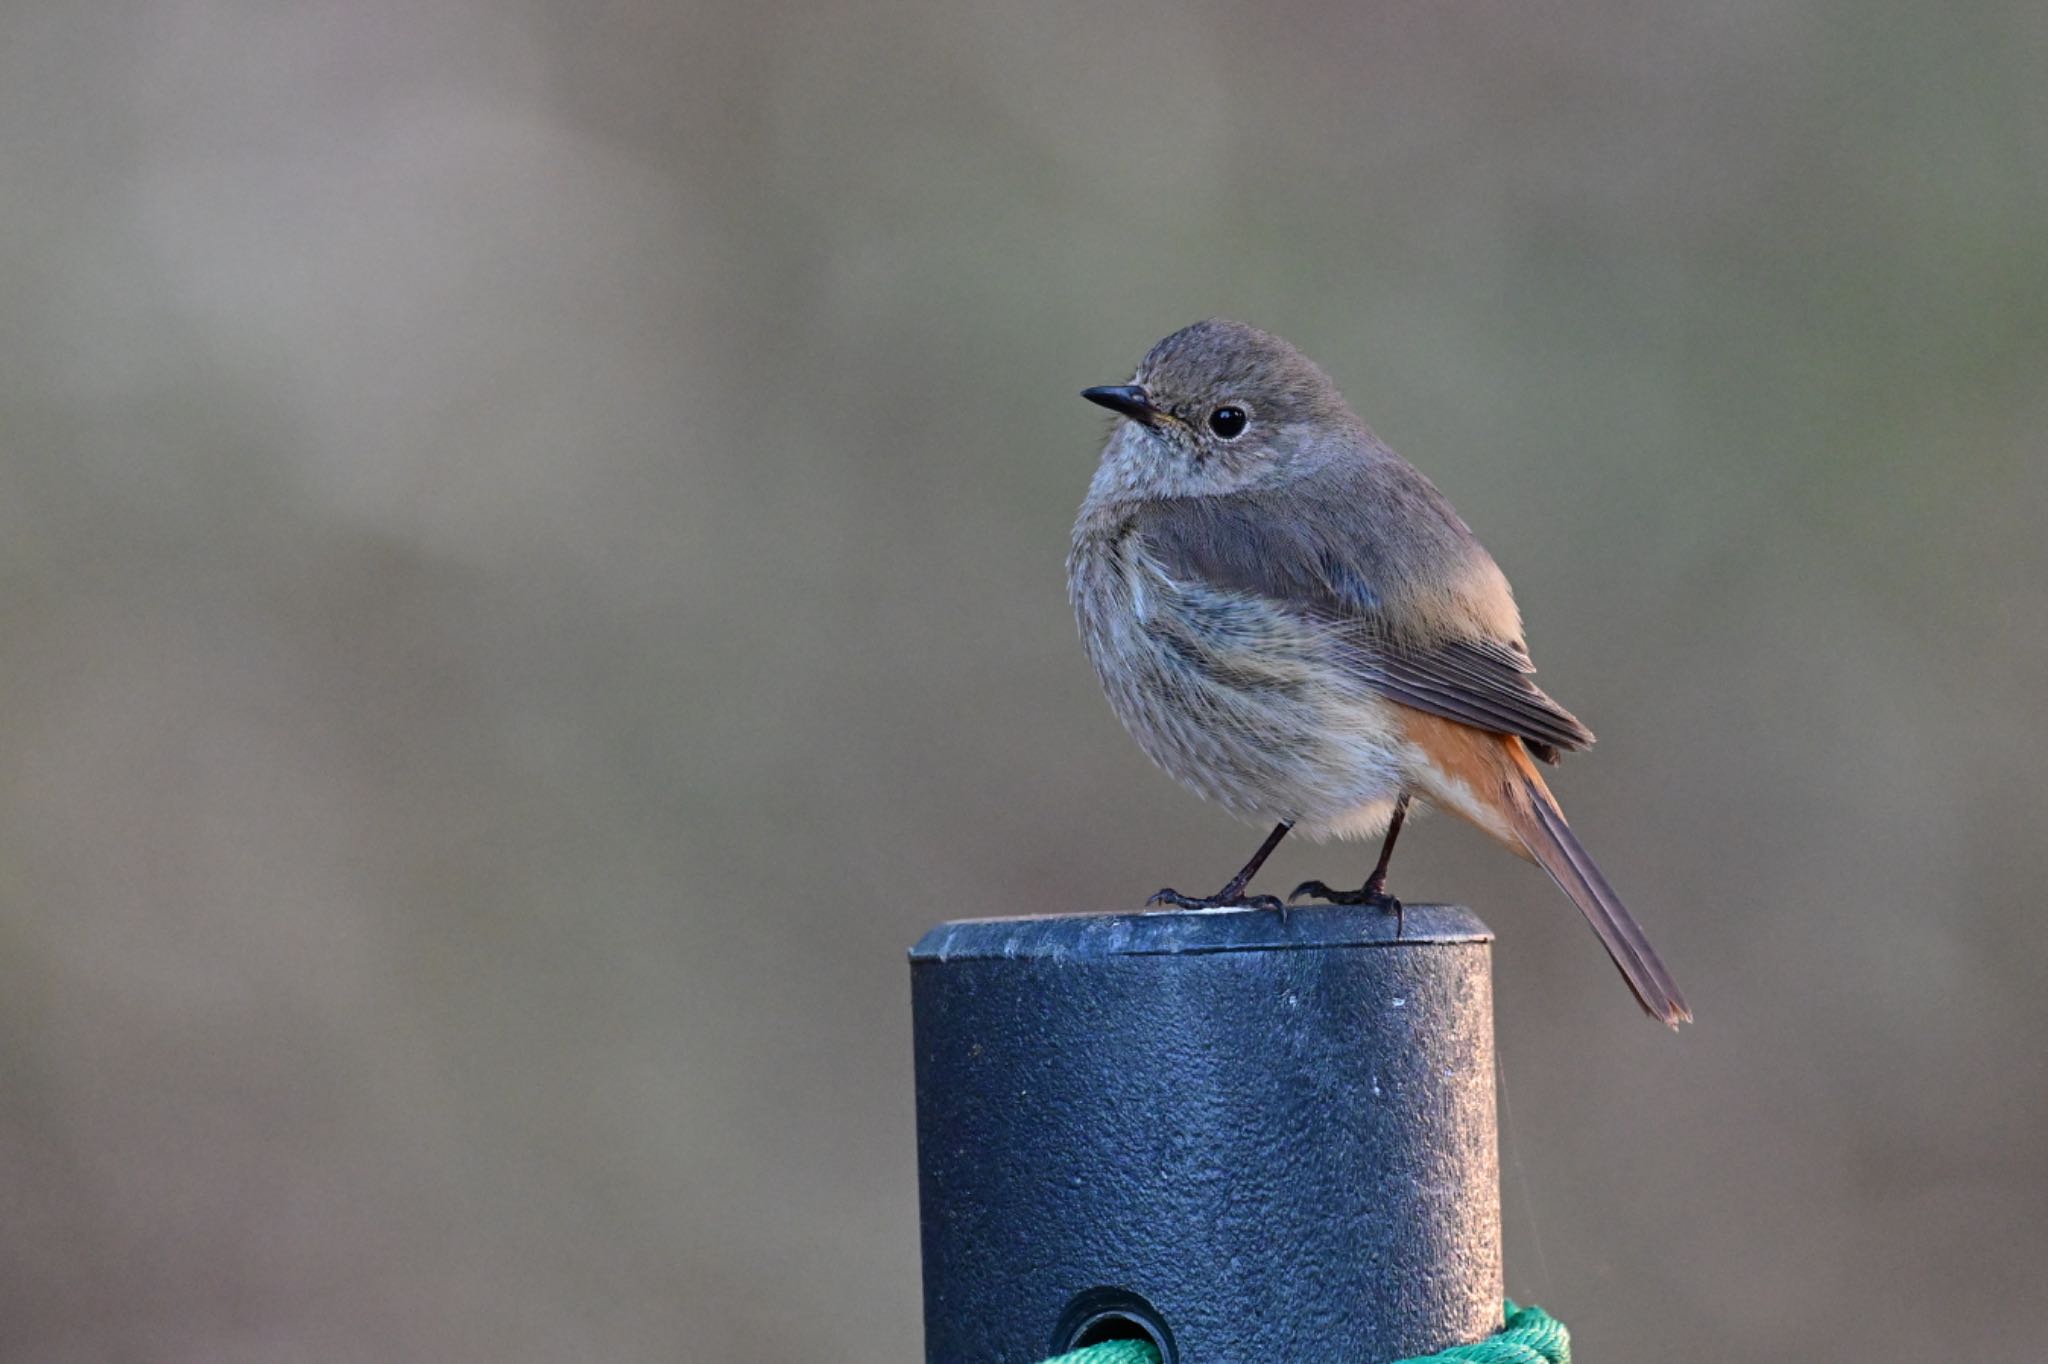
1372,894
1170,896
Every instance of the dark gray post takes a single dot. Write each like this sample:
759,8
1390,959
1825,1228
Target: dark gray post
1250,1141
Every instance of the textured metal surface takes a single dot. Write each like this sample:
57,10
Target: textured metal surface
1279,1137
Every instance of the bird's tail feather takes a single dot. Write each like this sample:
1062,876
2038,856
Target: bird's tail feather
1550,841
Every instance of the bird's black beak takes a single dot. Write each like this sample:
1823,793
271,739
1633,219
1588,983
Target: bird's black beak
1129,399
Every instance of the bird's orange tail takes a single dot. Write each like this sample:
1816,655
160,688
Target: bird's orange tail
1541,826
1491,780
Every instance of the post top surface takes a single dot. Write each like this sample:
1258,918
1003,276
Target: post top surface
1169,932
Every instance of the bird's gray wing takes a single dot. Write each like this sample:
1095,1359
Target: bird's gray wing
1311,559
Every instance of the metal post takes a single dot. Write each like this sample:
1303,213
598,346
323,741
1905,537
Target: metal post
1247,1140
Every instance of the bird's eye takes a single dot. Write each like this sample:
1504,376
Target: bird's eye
1228,421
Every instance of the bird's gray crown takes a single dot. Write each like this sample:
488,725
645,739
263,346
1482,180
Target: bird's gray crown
1218,361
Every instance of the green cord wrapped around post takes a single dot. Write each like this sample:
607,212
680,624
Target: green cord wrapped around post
1111,1352
1530,1336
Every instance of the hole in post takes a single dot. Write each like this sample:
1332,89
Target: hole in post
1101,1314
1111,1326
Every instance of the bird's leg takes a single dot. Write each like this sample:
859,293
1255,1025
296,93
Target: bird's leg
1375,887
1232,895
1374,891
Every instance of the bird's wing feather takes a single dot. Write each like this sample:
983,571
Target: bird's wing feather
1312,552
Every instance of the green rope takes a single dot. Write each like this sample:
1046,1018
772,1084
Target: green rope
1529,1336
1112,1352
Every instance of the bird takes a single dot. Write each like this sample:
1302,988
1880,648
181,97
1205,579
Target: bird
1294,623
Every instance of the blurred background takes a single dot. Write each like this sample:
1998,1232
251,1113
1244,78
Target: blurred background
532,537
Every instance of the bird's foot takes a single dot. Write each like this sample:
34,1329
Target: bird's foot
1224,899
1373,893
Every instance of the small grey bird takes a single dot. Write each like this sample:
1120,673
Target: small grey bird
1293,622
